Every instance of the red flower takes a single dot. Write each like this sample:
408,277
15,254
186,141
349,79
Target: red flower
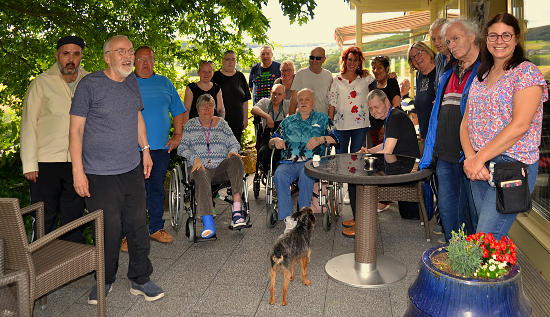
353,94
352,170
354,157
354,109
485,253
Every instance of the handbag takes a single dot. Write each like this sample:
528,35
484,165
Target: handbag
510,179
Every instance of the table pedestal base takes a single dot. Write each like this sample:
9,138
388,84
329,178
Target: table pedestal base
386,270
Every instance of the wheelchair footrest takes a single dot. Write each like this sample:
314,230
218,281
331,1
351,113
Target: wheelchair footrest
201,239
239,228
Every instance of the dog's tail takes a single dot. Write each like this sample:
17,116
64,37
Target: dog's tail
276,260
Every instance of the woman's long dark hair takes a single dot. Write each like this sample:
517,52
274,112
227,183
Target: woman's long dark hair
487,60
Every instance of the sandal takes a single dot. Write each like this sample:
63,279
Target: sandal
237,220
209,227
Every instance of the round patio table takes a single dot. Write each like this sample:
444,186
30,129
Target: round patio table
363,268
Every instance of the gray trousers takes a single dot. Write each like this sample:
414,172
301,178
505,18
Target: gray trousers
231,169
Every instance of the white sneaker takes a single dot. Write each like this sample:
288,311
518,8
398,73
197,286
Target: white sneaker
289,224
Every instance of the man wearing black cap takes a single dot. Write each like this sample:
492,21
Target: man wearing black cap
45,137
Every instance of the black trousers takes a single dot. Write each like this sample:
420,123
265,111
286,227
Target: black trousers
54,186
122,198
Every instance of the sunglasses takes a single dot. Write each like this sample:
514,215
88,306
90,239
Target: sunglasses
318,58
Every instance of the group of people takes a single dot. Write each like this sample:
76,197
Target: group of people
102,140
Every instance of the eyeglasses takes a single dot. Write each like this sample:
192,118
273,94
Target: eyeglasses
123,51
506,37
419,54
317,58
145,59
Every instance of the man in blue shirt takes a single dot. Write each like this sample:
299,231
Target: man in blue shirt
160,100
300,136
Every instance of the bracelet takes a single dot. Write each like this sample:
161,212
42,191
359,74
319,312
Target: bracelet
145,147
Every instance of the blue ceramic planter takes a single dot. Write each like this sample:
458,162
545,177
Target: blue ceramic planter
435,293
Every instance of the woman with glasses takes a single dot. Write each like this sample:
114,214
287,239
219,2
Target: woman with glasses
287,77
422,59
349,110
381,70
235,93
204,86
503,118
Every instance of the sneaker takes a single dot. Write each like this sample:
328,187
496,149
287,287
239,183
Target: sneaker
124,245
237,220
92,298
382,207
149,290
289,224
162,236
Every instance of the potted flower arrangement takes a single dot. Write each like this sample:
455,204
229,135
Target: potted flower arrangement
473,275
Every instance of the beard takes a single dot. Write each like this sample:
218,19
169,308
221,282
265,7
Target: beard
119,69
66,71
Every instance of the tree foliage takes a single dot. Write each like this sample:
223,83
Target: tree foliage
182,32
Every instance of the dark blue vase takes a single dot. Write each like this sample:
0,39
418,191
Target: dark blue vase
435,293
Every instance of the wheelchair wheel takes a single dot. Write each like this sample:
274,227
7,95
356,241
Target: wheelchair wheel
176,203
271,218
327,220
190,229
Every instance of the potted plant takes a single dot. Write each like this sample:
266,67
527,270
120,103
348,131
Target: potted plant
473,275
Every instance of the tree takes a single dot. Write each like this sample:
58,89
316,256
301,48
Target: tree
182,32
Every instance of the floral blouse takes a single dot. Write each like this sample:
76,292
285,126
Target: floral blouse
349,98
490,110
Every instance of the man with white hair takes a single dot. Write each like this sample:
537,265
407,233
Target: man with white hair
105,131
443,149
45,137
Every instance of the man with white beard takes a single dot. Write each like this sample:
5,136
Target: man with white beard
106,128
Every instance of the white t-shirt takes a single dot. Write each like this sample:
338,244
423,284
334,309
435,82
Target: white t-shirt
350,102
319,83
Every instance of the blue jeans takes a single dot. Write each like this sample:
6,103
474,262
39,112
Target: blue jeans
154,187
285,174
454,194
357,138
490,220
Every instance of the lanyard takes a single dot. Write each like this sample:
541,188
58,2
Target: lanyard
386,126
207,138
272,113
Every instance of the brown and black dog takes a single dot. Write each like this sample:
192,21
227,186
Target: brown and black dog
290,248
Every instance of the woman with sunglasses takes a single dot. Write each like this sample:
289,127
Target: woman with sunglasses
349,111
381,70
503,118
204,86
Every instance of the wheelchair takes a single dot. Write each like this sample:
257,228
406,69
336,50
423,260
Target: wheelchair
330,201
182,201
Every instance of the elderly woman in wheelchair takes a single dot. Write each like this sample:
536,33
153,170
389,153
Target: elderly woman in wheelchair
300,136
209,145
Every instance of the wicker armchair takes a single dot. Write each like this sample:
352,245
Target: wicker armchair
13,304
50,262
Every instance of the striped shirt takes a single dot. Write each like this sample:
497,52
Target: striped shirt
194,143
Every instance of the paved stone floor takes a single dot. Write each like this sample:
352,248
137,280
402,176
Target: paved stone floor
230,276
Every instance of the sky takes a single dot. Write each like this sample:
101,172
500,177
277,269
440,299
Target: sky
330,14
